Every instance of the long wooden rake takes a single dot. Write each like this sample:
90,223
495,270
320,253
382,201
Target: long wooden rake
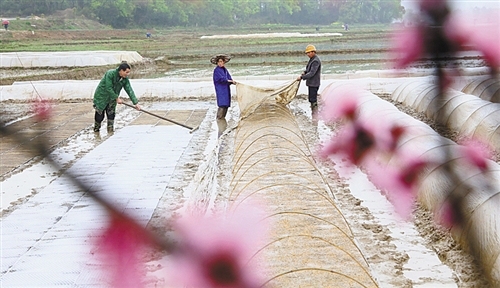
163,118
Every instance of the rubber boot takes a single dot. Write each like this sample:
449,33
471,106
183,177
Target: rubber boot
110,126
97,126
314,106
221,112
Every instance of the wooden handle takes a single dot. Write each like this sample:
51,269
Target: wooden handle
152,114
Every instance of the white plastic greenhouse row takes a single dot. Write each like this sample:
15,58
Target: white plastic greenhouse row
486,88
376,81
469,115
67,59
482,211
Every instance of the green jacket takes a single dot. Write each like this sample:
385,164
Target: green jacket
109,89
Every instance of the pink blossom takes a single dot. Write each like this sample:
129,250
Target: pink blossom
487,40
409,173
407,46
342,106
353,141
120,247
42,109
457,30
387,137
216,251
396,132
476,153
400,182
446,215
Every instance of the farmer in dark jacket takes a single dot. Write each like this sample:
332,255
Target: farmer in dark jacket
107,92
222,81
312,75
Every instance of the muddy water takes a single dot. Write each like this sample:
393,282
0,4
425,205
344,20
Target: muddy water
397,253
394,249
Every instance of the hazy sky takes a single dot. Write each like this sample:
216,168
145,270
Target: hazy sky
459,4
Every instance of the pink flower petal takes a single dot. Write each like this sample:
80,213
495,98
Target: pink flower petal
407,46
121,246
353,141
476,153
485,37
446,216
457,30
215,251
42,109
487,40
400,183
343,105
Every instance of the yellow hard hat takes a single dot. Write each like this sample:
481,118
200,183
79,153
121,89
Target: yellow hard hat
310,48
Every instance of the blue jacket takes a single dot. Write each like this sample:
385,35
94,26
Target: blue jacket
222,90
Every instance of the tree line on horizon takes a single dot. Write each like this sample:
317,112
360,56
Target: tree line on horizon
165,13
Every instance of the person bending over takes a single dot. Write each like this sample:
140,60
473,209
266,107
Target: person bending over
107,94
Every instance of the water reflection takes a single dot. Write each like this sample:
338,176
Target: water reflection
314,115
222,125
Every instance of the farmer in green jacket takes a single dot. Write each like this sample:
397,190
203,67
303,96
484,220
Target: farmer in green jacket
107,92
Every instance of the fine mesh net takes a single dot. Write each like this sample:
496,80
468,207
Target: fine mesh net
310,243
250,97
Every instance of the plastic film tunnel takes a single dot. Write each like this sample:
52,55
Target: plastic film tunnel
486,88
310,240
482,213
468,115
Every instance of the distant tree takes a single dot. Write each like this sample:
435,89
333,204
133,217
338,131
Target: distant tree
374,11
30,7
147,13
317,12
329,11
213,12
150,13
279,11
117,13
180,12
244,9
389,11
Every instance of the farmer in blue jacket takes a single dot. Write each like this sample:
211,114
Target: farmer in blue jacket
107,92
222,81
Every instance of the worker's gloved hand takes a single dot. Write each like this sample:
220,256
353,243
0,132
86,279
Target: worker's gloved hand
137,107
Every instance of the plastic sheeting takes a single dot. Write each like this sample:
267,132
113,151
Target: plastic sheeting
84,89
466,114
376,81
67,59
482,214
250,97
310,242
486,88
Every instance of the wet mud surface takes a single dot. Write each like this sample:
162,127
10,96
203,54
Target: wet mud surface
73,138
373,237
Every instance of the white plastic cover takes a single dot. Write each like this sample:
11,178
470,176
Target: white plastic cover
483,216
486,88
67,59
464,113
